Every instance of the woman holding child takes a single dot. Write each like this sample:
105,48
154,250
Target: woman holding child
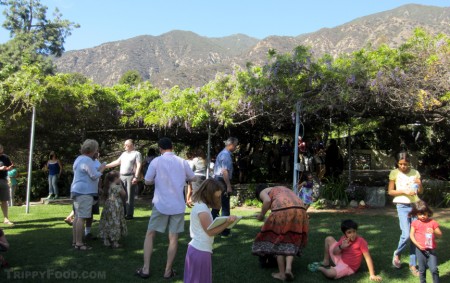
404,185
285,232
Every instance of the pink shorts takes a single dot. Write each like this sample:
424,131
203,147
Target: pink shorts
342,269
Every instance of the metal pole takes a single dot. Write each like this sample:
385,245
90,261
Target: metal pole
350,153
208,156
297,131
30,160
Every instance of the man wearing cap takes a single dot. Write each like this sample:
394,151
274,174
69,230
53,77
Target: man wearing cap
169,173
130,165
223,172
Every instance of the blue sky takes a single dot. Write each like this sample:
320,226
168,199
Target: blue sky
110,20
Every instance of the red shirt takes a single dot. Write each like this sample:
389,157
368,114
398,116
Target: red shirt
352,255
421,228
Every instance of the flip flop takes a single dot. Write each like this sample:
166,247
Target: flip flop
141,274
171,275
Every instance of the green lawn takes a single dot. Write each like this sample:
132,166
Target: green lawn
41,247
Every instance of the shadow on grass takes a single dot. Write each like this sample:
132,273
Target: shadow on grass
44,245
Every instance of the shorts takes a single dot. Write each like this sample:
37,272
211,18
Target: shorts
4,190
95,207
82,205
160,222
342,269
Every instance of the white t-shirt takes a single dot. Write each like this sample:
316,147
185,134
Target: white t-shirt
198,165
200,240
169,173
128,162
403,183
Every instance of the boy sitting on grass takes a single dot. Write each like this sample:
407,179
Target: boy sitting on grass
346,254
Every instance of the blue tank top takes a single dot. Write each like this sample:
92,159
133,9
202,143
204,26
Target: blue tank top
53,168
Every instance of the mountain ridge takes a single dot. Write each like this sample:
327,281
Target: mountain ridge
187,59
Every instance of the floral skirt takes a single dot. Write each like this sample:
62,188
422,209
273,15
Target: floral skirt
285,232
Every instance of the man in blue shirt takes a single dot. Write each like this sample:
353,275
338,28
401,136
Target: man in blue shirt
223,172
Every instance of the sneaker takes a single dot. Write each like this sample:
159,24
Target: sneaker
50,196
56,197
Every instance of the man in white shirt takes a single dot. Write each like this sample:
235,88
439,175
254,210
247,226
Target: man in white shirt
130,165
169,173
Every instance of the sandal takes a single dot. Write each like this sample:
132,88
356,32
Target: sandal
82,247
7,222
141,273
171,274
396,261
414,271
313,267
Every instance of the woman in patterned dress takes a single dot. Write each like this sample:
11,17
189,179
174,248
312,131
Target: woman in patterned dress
285,232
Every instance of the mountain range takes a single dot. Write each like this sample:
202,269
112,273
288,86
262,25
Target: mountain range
187,59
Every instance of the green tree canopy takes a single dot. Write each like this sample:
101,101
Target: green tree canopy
132,78
34,35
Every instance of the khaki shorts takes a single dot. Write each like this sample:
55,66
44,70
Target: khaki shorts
342,269
4,190
82,205
160,222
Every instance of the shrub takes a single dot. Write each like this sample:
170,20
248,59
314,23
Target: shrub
39,186
335,190
436,192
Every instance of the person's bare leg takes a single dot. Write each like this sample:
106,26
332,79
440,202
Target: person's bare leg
5,212
326,255
79,226
74,230
328,272
148,250
281,268
171,252
88,225
289,261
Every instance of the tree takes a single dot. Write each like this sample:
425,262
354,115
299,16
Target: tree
132,78
34,36
68,109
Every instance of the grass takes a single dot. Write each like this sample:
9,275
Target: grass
40,247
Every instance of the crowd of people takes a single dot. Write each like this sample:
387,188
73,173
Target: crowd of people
283,235
272,161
